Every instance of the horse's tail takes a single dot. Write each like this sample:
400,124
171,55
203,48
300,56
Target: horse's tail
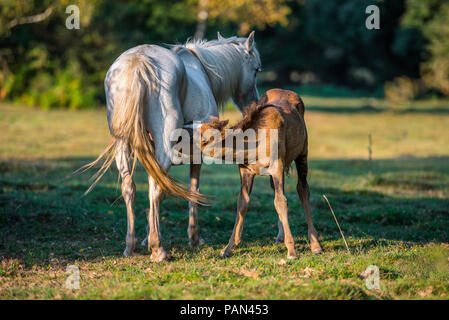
138,78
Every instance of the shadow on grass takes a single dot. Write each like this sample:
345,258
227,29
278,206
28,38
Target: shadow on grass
43,215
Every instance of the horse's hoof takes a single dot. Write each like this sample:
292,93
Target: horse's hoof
128,252
317,252
159,255
196,242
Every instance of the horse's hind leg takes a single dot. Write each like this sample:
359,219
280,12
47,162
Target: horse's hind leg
193,228
246,180
156,196
304,195
129,194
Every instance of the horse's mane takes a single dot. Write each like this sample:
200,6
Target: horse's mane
222,60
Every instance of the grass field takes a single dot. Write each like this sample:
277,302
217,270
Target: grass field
394,211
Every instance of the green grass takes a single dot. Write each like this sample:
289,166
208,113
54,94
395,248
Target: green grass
394,211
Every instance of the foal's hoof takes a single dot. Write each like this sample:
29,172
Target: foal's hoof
291,256
225,253
316,249
159,255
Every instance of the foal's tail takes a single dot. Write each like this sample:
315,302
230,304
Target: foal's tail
138,78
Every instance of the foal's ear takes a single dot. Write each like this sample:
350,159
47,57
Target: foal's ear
219,36
250,41
223,124
217,123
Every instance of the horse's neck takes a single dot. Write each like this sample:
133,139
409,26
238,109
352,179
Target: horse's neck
199,103
213,78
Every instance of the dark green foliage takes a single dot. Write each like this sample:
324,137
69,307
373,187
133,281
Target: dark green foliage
48,65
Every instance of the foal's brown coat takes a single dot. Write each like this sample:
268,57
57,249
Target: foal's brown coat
282,110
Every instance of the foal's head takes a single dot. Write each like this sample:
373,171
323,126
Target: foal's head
212,130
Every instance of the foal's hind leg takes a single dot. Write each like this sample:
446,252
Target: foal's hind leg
280,237
129,194
304,195
246,180
280,203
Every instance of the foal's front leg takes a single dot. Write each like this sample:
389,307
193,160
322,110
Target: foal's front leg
246,184
280,203
280,237
129,194
193,228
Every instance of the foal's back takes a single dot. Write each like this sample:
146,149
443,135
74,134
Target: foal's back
284,111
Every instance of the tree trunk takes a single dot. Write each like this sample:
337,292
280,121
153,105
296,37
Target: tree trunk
202,19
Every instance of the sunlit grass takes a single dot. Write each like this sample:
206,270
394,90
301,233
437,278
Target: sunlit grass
393,210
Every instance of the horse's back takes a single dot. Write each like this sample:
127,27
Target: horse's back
168,61
168,69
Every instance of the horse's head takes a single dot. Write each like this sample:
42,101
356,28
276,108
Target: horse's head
246,90
231,65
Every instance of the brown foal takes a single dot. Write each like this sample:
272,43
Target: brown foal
281,110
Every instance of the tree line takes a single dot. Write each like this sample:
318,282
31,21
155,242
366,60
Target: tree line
302,42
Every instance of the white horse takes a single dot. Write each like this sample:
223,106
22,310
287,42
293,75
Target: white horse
150,92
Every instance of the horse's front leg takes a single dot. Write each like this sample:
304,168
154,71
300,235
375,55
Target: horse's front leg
129,194
193,228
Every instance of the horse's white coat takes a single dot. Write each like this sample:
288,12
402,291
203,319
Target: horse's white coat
191,82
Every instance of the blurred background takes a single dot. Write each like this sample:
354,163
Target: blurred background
377,114
319,48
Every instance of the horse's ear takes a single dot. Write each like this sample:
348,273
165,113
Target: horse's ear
250,41
219,36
